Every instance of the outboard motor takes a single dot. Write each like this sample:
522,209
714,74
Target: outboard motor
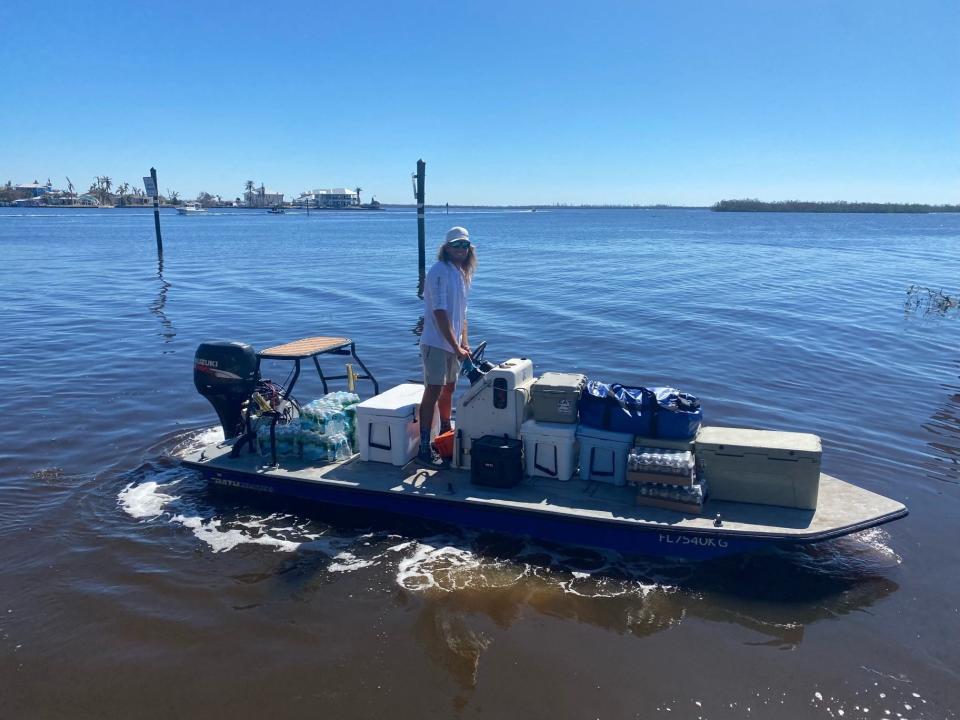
225,373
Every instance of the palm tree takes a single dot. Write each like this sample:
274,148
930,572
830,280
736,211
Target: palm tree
358,191
248,186
173,197
99,188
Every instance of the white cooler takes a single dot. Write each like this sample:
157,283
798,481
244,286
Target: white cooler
388,425
603,455
498,404
550,449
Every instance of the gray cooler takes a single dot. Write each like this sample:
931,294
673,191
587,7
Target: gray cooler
760,466
556,397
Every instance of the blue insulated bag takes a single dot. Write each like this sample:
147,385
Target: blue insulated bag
618,408
678,414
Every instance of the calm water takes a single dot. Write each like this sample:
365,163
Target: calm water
129,589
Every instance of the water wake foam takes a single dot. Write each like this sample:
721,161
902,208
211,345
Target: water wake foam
145,500
467,560
197,440
437,563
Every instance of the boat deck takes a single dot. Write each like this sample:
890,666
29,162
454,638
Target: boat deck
842,508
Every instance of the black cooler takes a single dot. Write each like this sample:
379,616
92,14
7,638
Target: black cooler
496,461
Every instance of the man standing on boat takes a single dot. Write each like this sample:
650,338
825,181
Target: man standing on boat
444,343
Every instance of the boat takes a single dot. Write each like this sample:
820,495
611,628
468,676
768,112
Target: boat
276,210
573,512
191,210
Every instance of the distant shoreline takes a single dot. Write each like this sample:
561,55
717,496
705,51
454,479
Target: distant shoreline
428,206
799,206
177,207
398,206
742,206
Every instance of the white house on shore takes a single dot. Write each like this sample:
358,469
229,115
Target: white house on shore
58,198
35,189
331,198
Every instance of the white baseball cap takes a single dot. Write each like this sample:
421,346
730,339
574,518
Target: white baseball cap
457,233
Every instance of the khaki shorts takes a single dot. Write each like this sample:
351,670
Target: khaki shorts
439,366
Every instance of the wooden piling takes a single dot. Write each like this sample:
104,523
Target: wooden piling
421,224
156,213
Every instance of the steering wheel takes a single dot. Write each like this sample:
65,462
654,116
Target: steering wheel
477,355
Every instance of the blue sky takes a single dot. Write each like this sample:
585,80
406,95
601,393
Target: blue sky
541,102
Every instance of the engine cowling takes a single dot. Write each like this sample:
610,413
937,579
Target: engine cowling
225,372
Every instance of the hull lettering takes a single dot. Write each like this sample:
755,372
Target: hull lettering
671,539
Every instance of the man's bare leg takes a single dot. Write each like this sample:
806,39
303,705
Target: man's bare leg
428,404
445,406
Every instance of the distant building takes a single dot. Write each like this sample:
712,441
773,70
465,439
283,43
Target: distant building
332,198
262,198
35,189
62,199
57,197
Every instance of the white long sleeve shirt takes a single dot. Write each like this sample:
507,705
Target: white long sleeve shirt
446,289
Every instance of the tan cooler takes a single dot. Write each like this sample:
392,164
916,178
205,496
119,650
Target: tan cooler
556,396
760,466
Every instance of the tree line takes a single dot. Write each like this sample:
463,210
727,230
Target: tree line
108,192
839,206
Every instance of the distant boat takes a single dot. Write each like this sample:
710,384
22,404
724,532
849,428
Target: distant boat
191,210
276,210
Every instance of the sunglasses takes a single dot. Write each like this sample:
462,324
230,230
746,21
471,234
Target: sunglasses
459,244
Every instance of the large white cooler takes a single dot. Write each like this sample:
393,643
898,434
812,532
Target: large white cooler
603,455
766,467
549,449
498,404
388,425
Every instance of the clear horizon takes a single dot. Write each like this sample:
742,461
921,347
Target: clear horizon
618,103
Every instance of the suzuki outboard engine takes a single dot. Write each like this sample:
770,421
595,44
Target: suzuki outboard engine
225,373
